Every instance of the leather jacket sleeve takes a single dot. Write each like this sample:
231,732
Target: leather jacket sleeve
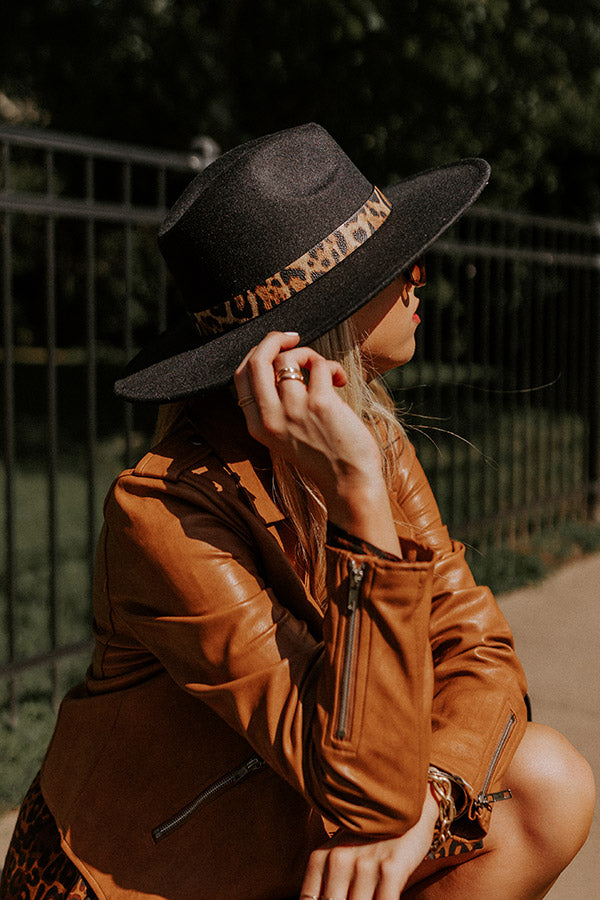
196,580
478,714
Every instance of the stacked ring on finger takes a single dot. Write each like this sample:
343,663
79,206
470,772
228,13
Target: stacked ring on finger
246,401
289,373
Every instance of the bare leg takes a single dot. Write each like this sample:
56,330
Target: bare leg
532,837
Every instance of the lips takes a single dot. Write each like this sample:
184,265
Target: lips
416,318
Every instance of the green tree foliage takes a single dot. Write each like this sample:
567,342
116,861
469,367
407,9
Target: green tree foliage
403,85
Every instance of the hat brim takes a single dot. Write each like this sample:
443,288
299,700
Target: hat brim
175,365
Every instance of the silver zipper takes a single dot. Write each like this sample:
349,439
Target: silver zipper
483,798
213,790
355,577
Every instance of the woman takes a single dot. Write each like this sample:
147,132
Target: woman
297,689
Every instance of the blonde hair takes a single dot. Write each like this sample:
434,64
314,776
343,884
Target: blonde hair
296,495
298,498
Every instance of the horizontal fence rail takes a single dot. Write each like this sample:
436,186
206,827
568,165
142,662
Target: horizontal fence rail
502,398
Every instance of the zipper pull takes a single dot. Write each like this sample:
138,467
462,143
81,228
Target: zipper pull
254,763
495,797
356,574
251,765
498,795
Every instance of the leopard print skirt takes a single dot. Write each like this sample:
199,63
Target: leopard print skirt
36,867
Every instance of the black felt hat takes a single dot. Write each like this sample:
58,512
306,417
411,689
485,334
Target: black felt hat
284,233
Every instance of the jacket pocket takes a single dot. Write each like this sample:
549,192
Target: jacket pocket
214,790
350,644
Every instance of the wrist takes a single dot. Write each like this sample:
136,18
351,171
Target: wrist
362,508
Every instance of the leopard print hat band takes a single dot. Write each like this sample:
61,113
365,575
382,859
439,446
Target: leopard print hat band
305,270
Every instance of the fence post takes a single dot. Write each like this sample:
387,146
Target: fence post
594,394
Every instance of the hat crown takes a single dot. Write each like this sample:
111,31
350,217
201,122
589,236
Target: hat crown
257,209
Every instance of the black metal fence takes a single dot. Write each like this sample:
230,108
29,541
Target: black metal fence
508,361
503,398
81,280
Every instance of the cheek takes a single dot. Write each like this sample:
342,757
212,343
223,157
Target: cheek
395,328
391,342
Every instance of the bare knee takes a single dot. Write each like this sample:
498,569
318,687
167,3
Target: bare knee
553,787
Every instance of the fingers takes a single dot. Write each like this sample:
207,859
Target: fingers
328,875
252,375
360,869
275,377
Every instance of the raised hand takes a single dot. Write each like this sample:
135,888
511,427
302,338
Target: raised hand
305,420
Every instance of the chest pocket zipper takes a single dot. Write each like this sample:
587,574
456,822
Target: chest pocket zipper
350,649
209,793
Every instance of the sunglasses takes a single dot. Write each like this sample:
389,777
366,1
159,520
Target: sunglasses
415,273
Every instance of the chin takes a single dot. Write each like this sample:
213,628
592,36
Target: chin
401,359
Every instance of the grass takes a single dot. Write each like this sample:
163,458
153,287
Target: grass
508,568
22,744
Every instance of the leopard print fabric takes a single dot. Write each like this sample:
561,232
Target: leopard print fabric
36,868
454,847
307,269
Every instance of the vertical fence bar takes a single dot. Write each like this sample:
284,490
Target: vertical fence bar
9,459
557,376
92,415
580,355
504,462
488,476
517,424
539,368
594,396
472,507
9,441
52,432
162,271
127,321
457,390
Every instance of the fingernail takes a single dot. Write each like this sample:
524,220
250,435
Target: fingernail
292,333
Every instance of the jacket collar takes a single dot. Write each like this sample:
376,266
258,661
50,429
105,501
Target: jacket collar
221,424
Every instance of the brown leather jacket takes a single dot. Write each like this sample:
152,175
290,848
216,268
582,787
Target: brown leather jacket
228,723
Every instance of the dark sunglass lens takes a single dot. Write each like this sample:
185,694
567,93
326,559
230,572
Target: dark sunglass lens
415,274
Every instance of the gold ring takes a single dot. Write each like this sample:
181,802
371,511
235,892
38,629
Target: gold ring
246,401
289,373
290,376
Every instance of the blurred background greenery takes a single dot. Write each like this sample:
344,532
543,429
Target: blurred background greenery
401,85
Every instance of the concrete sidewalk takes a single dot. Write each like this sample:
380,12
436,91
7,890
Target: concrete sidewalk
556,626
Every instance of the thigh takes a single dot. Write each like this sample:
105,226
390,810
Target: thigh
533,836
36,865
